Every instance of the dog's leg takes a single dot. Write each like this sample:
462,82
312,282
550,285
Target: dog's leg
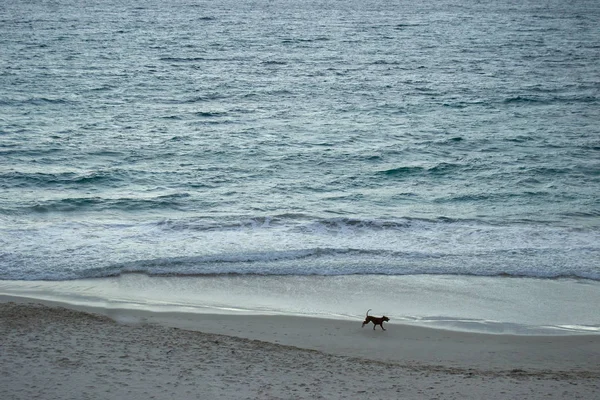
366,321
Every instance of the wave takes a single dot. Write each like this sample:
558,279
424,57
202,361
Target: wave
208,97
538,100
438,169
210,114
77,204
178,269
522,263
35,101
292,244
301,222
588,277
356,261
305,40
192,60
402,171
275,62
41,179
182,59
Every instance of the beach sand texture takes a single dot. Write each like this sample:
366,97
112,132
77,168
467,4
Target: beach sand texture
49,352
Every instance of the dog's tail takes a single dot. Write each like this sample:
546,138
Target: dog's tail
368,311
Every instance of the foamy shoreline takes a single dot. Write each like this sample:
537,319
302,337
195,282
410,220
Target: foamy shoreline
62,353
522,306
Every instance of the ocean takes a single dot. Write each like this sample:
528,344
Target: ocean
278,146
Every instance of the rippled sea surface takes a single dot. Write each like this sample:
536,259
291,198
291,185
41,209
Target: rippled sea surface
299,138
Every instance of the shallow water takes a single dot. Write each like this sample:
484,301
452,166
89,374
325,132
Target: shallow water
479,304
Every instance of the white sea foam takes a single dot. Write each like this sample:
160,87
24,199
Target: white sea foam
300,247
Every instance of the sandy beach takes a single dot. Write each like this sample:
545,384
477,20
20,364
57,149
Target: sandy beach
51,352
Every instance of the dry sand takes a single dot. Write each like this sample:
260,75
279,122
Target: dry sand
49,352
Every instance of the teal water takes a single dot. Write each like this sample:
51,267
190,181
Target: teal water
455,137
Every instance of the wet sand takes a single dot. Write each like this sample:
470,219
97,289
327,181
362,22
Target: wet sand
51,352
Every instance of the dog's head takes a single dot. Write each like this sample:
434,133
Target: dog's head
385,318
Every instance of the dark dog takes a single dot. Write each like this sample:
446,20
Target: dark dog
375,320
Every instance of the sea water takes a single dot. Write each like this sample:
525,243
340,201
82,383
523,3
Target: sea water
322,141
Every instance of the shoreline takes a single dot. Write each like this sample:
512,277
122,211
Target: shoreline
60,353
518,306
399,343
